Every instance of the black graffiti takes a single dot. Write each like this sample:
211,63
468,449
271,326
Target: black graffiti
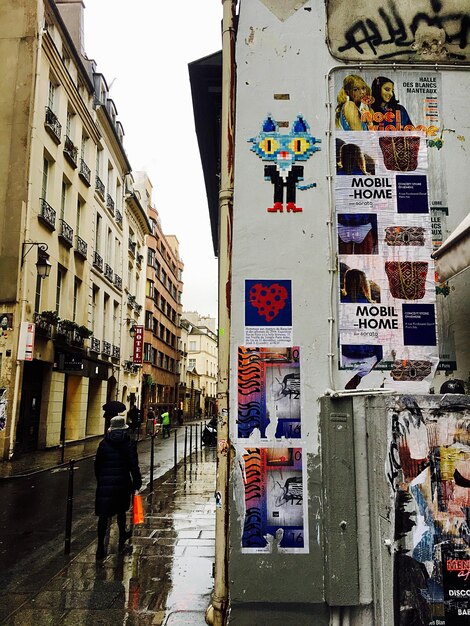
252,530
292,491
290,386
394,465
389,27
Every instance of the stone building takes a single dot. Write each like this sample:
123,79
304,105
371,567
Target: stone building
163,295
68,209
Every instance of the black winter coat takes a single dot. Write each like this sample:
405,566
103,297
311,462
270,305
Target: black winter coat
117,473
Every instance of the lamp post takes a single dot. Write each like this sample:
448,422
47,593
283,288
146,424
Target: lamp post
42,264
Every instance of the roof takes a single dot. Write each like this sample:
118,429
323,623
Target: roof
205,76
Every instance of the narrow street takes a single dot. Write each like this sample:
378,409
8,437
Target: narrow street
165,574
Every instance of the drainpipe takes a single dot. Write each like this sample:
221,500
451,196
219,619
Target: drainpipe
216,613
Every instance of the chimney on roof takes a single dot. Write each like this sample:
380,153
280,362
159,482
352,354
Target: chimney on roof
71,11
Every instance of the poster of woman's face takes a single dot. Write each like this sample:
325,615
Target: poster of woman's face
6,321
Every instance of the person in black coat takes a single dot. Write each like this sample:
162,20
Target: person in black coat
118,476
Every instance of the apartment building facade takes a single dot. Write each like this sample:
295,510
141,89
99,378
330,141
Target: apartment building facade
202,358
163,297
71,206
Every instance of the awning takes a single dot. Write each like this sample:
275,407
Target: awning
454,255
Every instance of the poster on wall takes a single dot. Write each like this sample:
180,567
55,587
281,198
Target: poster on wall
275,501
268,394
383,190
268,312
428,468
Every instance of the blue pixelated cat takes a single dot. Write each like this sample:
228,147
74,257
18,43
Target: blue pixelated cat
285,150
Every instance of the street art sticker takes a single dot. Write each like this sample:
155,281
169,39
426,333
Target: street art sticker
268,312
3,408
275,501
422,30
282,151
268,394
383,193
428,468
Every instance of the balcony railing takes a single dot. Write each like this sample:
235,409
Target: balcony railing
70,152
52,125
118,282
108,272
106,349
97,261
65,233
81,247
95,344
43,327
85,173
132,247
99,187
116,352
110,204
118,216
47,214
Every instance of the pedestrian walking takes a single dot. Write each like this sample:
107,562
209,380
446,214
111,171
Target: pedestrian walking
118,476
133,420
165,424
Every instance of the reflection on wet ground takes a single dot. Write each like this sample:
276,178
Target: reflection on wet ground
164,576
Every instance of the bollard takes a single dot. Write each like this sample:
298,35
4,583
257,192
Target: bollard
190,440
185,443
205,426
196,439
68,518
152,459
176,449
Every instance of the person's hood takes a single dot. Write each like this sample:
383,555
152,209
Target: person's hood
117,436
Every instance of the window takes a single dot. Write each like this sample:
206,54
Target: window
45,177
76,289
98,161
192,363
149,289
115,322
51,95
105,316
37,300
99,221
83,146
58,289
78,216
150,257
94,304
147,352
148,320
192,346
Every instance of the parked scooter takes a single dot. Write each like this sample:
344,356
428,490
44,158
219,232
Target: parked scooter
209,434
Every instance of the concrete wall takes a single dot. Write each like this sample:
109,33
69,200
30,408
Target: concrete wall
282,69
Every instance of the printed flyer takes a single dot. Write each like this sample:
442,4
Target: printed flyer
387,290
275,501
268,394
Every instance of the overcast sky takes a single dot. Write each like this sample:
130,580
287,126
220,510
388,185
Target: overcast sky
143,49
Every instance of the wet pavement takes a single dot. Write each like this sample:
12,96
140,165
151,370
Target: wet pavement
164,575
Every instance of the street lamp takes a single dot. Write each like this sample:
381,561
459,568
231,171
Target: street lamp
132,330
42,265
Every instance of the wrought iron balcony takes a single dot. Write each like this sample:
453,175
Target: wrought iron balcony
118,216
47,214
85,173
52,125
110,204
81,247
65,233
108,272
99,187
118,282
43,327
116,352
132,247
97,261
70,152
77,339
95,344
106,349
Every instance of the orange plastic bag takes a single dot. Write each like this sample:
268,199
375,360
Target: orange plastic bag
138,510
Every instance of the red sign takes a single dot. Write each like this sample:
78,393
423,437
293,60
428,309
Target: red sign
138,344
